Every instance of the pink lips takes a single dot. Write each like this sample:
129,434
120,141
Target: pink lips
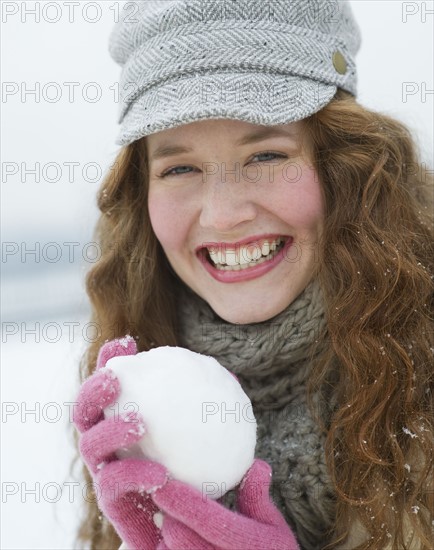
250,272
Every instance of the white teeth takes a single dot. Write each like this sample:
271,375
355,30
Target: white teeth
231,258
243,256
251,253
266,248
214,256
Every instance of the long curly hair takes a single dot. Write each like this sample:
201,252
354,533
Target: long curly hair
376,270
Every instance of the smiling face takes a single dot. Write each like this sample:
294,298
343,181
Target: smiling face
238,213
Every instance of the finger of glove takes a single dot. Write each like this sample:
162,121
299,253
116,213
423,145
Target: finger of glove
115,348
206,517
132,518
97,392
130,475
123,491
133,521
253,495
98,444
178,536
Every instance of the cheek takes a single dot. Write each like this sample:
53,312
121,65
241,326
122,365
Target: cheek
167,220
301,202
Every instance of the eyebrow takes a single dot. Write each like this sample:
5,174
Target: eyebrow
262,134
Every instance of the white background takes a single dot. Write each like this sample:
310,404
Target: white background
43,291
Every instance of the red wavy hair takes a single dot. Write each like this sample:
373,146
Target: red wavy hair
376,271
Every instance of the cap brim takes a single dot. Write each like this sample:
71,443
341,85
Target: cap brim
258,98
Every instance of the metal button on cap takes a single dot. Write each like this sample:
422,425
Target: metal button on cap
339,62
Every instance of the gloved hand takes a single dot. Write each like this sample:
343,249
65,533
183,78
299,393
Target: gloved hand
130,492
122,486
192,521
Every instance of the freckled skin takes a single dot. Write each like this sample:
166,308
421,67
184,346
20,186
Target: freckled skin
205,203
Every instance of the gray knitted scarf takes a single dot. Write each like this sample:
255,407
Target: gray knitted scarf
272,361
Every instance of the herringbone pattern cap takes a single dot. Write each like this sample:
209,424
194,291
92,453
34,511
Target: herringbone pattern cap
266,62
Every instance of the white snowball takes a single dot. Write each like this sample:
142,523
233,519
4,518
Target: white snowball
199,421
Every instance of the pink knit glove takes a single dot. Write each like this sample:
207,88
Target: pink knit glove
192,521
131,491
122,487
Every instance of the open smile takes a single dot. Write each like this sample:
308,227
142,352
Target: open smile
244,260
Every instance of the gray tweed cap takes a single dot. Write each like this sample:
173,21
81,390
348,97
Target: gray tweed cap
266,62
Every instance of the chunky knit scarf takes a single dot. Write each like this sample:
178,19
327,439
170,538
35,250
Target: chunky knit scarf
272,361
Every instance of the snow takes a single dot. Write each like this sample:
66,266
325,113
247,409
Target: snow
158,519
64,213
408,432
41,498
199,422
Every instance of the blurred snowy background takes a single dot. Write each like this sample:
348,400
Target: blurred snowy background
57,142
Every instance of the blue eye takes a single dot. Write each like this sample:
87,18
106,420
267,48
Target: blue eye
173,171
275,155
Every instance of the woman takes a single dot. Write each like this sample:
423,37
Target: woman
306,256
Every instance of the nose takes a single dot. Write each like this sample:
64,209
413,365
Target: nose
226,205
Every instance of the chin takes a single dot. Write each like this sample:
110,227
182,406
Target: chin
244,316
